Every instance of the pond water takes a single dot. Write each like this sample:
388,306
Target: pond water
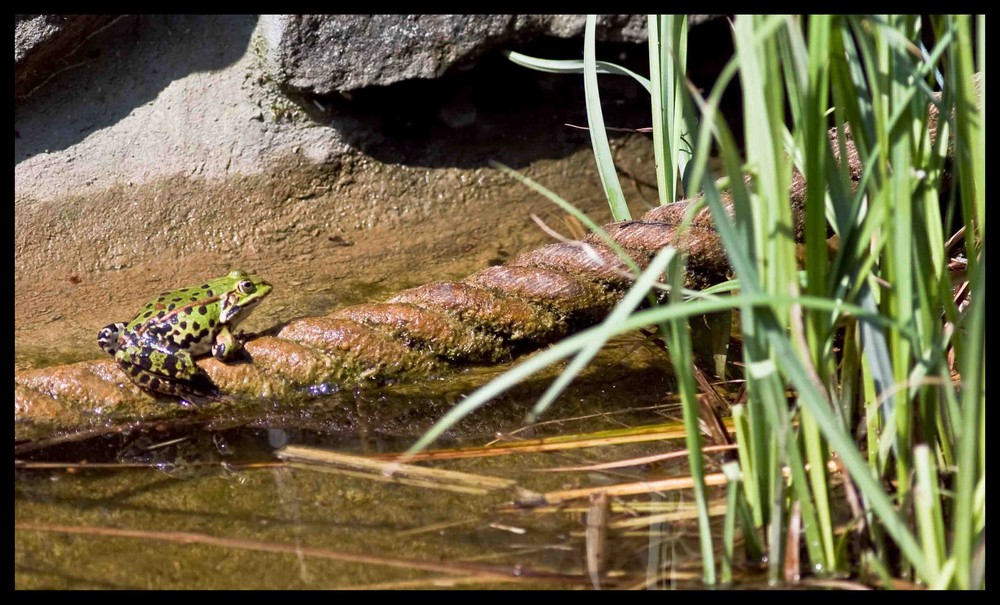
213,506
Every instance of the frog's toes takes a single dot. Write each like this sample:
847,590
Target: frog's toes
226,350
198,390
202,397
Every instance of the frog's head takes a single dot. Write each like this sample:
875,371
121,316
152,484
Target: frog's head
242,292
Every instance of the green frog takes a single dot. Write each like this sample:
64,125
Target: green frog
157,347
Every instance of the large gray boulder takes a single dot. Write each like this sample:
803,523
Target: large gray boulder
322,54
44,43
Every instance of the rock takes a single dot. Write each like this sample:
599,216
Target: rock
323,54
43,43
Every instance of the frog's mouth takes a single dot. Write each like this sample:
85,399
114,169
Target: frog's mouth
237,313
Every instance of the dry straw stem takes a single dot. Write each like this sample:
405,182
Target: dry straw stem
327,461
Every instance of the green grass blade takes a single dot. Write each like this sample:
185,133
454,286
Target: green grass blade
667,60
573,66
598,134
973,434
745,444
679,338
733,480
927,508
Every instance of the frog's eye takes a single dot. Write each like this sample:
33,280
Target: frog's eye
246,286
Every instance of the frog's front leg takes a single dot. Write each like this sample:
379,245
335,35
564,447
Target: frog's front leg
226,346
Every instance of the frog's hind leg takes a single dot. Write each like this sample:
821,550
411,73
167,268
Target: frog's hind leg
158,361
171,373
198,389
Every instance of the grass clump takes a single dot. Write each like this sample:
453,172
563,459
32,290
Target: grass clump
862,434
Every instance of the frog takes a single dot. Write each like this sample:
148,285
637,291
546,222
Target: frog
157,347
